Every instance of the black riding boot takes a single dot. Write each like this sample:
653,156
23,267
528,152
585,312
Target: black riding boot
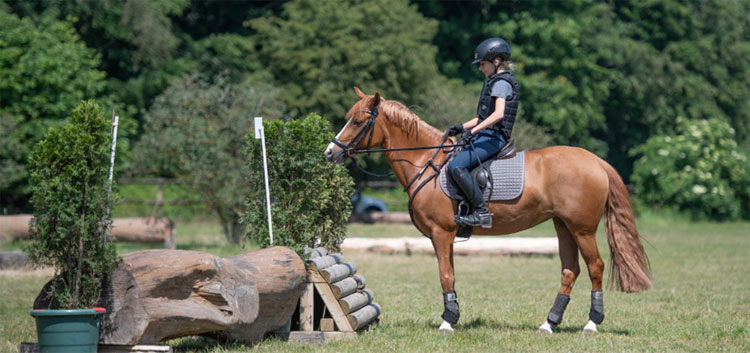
481,216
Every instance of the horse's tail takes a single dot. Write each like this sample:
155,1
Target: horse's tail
628,262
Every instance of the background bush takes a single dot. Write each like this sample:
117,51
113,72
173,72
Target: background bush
310,197
698,169
195,132
69,174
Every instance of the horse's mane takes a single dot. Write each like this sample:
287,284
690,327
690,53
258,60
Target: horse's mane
399,115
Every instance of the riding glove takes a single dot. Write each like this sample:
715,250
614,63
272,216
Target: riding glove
455,130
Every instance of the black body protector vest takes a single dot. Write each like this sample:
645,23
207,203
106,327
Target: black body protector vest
487,105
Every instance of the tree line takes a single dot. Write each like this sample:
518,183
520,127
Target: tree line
611,77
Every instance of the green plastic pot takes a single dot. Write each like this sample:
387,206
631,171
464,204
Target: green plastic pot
64,331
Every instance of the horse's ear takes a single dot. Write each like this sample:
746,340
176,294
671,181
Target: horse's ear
376,100
360,94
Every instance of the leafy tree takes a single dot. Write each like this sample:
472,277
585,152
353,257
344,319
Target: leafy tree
698,169
318,50
195,131
310,197
45,71
69,173
11,151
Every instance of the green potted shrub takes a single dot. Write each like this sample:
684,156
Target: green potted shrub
69,173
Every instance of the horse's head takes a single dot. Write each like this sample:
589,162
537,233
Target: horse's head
360,131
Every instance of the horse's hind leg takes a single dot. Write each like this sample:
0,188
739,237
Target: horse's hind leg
570,269
595,265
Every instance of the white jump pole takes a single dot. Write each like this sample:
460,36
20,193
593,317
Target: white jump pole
111,172
259,134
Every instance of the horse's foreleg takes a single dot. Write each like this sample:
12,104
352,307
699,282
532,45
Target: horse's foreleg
570,269
443,245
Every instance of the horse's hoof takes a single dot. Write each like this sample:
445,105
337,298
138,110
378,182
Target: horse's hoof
546,328
590,327
445,327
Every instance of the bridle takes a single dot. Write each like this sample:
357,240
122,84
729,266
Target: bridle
351,148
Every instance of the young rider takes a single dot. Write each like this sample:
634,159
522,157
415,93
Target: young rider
490,129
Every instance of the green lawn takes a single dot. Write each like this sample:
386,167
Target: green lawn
699,302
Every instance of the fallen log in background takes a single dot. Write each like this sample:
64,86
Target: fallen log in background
144,230
381,217
133,229
476,245
14,227
162,294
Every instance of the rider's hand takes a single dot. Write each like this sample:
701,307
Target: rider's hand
455,130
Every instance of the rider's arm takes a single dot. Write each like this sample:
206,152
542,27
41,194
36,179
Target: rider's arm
493,118
471,123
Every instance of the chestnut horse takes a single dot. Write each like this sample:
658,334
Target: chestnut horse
570,185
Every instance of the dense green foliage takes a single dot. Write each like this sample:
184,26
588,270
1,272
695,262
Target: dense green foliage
195,132
310,196
318,50
69,170
605,76
698,169
45,71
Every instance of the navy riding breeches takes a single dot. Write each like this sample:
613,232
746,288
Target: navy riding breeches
486,143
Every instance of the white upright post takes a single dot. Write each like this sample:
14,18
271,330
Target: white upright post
260,135
111,172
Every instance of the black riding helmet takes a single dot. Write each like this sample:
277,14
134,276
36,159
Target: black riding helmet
490,48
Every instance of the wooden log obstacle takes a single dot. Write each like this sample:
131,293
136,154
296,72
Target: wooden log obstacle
334,304
156,295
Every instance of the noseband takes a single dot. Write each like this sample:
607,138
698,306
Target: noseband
351,148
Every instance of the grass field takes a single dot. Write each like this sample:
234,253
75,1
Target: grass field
700,300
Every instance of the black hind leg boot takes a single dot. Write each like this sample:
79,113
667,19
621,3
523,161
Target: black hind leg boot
481,216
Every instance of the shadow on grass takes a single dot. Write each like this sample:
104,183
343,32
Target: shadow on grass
498,325
205,344
481,323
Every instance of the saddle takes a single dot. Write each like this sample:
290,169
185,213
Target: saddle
500,177
481,173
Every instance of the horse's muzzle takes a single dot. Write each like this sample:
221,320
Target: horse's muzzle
334,154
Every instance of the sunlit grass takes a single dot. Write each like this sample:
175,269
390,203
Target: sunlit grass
699,301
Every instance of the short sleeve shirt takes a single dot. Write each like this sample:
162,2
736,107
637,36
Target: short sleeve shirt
501,89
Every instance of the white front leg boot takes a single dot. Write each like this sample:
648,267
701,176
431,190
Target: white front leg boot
445,327
545,328
590,327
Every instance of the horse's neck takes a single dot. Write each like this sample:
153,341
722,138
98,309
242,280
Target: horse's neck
406,164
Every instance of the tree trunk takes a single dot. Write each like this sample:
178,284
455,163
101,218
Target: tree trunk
163,294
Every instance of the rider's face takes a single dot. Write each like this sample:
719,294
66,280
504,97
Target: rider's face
487,68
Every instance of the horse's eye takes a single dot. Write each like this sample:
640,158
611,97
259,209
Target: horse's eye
357,123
